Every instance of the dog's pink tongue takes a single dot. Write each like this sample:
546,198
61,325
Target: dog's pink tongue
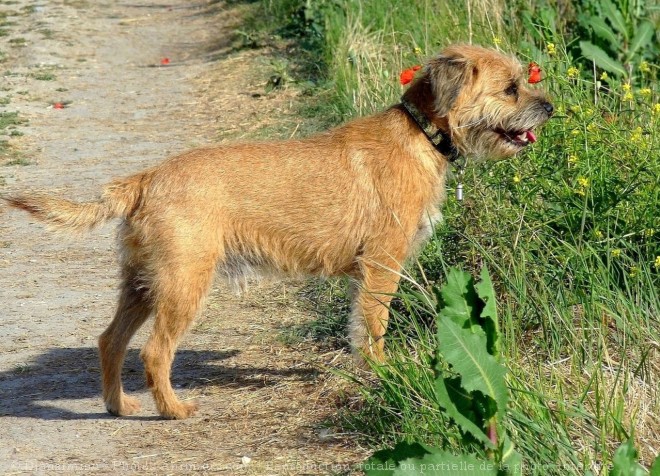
531,137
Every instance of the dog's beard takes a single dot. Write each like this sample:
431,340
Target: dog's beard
497,137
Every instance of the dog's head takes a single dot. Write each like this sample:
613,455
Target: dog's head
482,99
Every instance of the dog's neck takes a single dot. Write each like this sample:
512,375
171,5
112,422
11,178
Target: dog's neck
439,138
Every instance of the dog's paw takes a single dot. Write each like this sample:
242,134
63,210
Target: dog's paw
179,411
127,406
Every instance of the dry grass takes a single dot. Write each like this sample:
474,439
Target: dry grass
582,395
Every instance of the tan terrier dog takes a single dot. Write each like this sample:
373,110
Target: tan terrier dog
354,201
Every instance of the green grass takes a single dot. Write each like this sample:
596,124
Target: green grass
569,229
47,33
9,156
18,42
9,119
330,300
8,123
18,161
44,76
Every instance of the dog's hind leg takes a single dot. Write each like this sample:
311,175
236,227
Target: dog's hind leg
133,309
178,293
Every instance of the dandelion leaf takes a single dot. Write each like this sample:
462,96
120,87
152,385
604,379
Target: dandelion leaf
625,461
467,334
459,300
489,322
601,58
655,467
512,461
466,353
602,30
614,15
643,36
459,405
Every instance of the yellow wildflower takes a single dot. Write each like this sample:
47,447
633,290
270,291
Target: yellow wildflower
604,76
592,127
589,111
583,183
516,178
644,67
657,262
598,234
636,135
656,109
626,87
572,159
552,50
575,132
573,72
417,50
645,92
576,108
649,232
628,96
616,252
633,271
497,41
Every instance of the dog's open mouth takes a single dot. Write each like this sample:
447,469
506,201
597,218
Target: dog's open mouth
518,138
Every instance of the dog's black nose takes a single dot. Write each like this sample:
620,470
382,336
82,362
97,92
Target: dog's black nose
548,108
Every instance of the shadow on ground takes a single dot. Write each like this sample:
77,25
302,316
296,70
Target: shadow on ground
32,390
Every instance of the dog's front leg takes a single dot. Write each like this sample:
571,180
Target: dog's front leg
373,293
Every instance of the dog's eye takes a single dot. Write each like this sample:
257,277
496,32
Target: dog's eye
512,90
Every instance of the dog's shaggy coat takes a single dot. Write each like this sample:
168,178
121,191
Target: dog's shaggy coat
354,201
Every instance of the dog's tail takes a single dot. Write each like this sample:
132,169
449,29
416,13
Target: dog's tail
120,198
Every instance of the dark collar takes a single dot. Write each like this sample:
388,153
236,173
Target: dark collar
440,140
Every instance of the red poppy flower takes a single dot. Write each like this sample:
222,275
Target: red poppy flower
534,73
407,75
58,105
165,61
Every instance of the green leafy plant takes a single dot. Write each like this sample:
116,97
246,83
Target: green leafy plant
621,34
625,462
469,383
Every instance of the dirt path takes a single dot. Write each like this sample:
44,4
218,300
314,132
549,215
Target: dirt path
262,402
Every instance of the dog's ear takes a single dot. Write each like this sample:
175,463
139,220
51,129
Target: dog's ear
447,75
